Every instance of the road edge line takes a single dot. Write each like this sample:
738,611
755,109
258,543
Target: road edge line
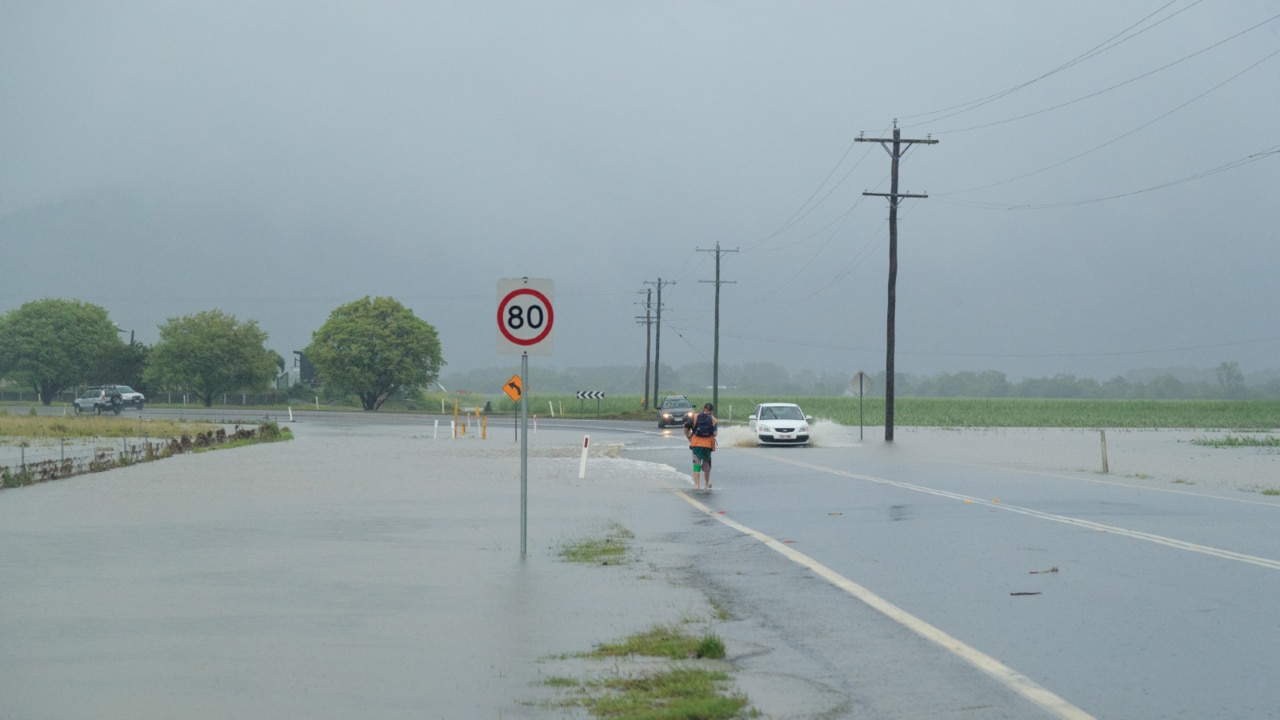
1005,675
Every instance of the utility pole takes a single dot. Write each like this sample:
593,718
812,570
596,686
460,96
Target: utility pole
895,154
715,356
657,336
648,338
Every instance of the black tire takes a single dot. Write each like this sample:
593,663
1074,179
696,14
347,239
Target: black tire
97,409
139,404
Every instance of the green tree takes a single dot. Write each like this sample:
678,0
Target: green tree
373,348
55,344
1231,380
125,365
210,353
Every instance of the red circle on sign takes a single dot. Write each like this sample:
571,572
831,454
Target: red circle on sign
502,326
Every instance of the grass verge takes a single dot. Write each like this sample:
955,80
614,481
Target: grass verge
1237,441
678,691
667,641
19,428
609,550
144,451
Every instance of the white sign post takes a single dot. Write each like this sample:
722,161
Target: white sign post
525,320
525,316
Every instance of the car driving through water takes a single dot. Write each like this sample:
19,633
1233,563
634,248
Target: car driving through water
779,424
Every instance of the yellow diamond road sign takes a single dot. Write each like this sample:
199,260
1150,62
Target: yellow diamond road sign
514,388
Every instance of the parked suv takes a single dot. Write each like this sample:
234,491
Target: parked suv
99,400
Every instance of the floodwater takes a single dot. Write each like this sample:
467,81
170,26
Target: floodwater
374,571
352,572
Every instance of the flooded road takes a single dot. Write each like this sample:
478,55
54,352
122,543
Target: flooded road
356,571
370,568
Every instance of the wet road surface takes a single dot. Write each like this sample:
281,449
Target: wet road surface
370,568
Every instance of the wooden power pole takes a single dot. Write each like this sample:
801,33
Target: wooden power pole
715,355
893,146
657,338
647,321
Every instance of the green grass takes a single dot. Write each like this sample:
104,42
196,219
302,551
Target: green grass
1236,415
15,428
1028,412
667,641
149,451
608,550
679,691
1237,441
674,694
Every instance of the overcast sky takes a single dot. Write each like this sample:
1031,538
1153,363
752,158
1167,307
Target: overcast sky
1103,195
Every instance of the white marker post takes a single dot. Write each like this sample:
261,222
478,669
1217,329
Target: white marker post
582,466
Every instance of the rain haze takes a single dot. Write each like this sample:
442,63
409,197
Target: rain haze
1102,196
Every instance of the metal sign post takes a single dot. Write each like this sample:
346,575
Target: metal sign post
524,460
525,320
584,394
860,384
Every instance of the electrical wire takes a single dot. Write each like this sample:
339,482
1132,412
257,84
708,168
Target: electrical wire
806,208
1116,86
1096,50
1190,178
1117,138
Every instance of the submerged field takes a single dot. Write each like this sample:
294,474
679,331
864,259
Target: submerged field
961,412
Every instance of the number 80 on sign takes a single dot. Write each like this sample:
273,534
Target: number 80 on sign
525,316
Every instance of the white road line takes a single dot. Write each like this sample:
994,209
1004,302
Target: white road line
1114,483
1007,676
1088,524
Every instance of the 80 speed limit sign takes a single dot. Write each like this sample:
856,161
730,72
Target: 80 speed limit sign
525,316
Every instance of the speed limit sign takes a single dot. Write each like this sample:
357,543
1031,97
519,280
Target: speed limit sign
525,316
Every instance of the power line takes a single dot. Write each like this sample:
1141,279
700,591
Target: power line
805,209
1096,50
1117,138
1073,203
1116,86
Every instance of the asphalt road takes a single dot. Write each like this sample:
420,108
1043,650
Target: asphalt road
949,574
1125,597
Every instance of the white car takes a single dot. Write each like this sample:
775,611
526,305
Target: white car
131,396
779,424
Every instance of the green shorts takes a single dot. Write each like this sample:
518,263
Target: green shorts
703,454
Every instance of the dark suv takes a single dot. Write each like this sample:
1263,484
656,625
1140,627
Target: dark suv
674,410
99,400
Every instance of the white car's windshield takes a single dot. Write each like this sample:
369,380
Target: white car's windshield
782,412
